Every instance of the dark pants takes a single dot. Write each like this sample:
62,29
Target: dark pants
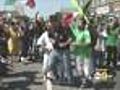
111,55
25,48
3,49
98,58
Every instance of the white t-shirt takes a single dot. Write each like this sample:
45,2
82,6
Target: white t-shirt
100,45
44,40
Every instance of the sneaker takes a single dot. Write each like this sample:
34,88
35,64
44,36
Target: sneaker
5,61
24,60
50,76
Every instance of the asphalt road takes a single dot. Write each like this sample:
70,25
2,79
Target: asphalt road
29,77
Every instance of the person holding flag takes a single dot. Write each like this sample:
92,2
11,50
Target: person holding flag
82,49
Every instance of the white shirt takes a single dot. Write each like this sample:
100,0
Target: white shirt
44,40
100,45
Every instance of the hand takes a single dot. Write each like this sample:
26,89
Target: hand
119,36
77,44
61,45
74,44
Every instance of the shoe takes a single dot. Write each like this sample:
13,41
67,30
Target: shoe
24,60
50,76
5,61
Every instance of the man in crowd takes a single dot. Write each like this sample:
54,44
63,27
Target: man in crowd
59,56
25,40
82,49
111,43
46,46
99,47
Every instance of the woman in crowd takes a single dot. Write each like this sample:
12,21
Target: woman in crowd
14,40
100,47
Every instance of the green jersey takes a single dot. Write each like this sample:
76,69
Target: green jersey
84,39
112,38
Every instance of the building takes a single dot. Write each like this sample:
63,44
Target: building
103,6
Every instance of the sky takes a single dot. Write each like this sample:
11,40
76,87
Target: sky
45,7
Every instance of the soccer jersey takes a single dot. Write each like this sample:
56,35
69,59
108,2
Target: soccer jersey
82,37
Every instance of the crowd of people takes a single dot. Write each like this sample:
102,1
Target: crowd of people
94,44
17,35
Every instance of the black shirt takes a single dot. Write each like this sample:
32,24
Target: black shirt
60,35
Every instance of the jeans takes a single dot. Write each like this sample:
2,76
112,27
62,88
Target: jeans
98,58
25,48
60,62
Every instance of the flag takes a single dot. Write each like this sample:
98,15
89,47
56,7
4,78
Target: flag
31,3
80,10
10,2
67,19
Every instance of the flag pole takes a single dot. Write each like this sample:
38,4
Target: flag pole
85,17
78,2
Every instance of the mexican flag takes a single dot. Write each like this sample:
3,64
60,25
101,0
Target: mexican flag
31,3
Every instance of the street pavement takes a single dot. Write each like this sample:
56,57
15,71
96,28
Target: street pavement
29,77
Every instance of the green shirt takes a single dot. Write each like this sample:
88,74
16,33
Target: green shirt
81,37
112,39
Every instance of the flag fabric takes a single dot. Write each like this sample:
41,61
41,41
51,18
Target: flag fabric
80,10
67,19
31,3
10,2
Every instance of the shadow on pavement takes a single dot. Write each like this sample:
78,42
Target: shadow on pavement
118,68
105,86
19,81
76,82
